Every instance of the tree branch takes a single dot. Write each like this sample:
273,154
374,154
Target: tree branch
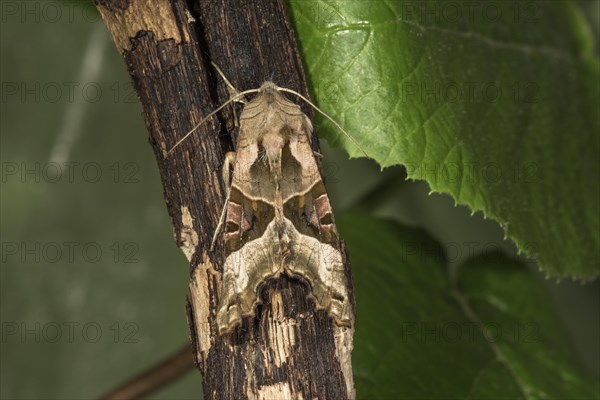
168,370
289,350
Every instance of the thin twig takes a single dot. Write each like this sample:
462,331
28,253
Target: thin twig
156,377
91,66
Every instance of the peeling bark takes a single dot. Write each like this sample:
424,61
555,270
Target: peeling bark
290,350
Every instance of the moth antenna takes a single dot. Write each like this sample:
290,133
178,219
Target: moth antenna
232,89
232,99
333,121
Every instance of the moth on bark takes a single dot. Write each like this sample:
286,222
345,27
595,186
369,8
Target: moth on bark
277,217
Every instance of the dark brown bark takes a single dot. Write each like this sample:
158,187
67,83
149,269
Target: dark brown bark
288,350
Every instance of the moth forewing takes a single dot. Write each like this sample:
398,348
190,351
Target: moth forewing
277,217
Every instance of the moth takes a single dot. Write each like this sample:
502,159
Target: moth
277,218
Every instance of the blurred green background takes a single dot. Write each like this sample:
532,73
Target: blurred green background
92,284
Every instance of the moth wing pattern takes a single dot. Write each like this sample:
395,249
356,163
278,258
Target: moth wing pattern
278,219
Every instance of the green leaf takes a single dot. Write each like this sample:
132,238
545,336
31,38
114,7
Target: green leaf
501,293
494,102
493,334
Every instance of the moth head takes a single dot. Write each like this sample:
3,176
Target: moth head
268,86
